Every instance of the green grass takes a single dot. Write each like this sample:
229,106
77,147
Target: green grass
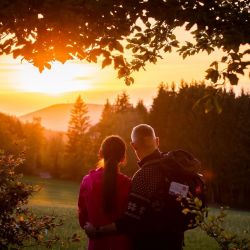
60,198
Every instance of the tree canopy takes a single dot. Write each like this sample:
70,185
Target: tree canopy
127,33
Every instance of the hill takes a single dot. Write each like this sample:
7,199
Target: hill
56,117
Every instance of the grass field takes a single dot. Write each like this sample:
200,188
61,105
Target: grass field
60,198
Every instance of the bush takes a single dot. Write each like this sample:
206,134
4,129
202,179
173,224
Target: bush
213,225
19,227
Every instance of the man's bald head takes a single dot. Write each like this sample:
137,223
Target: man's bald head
141,132
144,140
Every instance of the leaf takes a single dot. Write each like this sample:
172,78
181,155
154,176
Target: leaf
233,79
167,48
16,53
212,74
41,68
104,42
129,80
185,211
224,59
107,61
215,64
189,26
246,52
118,61
137,28
121,72
175,44
117,45
47,65
197,202
129,46
235,56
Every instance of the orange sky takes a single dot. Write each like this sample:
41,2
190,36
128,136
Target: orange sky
24,89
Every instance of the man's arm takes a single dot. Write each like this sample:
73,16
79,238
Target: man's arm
144,184
139,202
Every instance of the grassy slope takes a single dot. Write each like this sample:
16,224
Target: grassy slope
60,198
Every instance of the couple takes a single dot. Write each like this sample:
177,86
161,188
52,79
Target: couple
122,214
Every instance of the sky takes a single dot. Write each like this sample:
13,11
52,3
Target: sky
23,89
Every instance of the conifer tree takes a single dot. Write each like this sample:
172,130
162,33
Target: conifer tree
141,111
122,103
107,111
77,140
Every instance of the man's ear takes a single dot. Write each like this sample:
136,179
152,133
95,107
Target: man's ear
133,145
157,140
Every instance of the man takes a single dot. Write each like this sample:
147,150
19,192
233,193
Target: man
144,218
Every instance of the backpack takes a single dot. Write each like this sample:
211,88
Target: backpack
181,180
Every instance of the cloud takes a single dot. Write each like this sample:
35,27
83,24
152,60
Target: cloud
9,69
81,78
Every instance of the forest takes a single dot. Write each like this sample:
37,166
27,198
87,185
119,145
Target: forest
211,123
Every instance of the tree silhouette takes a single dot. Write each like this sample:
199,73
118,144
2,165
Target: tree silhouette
77,144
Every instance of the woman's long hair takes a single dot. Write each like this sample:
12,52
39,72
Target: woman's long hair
113,150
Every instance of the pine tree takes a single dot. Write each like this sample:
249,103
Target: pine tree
107,111
122,103
77,141
142,112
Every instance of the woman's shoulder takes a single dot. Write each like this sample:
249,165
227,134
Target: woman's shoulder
92,175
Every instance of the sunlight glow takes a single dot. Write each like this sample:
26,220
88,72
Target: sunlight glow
59,79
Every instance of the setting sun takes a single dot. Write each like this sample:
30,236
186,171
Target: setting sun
61,78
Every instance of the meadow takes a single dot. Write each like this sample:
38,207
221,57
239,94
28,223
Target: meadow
59,198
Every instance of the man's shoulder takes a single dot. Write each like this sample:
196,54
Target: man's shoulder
148,171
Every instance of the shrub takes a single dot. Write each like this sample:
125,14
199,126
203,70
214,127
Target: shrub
213,225
19,227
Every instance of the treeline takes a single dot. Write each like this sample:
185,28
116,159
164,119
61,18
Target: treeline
211,123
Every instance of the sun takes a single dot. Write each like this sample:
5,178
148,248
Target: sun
61,78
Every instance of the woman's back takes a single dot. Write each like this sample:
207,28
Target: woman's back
91,208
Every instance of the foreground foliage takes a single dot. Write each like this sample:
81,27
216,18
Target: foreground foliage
45,31
214,226
19,227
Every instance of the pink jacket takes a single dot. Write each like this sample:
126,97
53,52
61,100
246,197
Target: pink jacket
90,209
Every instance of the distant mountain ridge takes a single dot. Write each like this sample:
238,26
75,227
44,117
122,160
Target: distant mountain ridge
56,117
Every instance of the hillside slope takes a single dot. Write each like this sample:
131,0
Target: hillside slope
56,117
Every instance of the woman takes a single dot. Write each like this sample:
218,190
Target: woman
104,193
